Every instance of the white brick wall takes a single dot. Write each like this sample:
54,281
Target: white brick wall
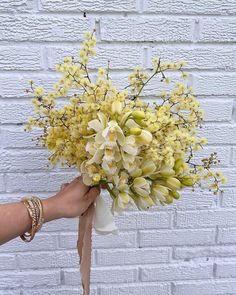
186,248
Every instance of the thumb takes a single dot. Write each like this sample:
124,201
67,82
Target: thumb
92,194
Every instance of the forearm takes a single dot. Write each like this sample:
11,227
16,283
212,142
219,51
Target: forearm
15,220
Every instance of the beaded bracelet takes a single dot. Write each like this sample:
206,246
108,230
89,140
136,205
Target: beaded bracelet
35,209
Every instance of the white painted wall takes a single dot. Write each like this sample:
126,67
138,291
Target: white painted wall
187,248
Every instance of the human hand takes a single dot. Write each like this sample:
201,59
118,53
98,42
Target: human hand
72,200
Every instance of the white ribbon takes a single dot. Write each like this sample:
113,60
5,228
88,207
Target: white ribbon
103,220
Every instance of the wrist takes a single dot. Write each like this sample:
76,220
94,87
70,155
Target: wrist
51,209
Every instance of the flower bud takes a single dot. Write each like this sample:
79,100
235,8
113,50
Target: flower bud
166,172
178,164
175,195
116,107
173,183
144,138
141,186
148,167
168,199
138,115
136,173
144,203
135,131
187,180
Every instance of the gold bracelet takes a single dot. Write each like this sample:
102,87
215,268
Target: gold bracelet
35,209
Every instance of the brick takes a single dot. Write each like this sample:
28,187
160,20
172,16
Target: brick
33,278
143,220
50,182
223,152
197,57
136,289
58,291
20,58
11,292
53,259
16,6
2,183
15,112
121,240
227,235
218,30
204,288
146,29
43,28
103,275
13,85
7,261
228,197
99,6
215,84
206,218
192,7
41,242
64,225
16,137
126,221
219,134
8,198
226,269
234,156
12,112
217,110
120,57
188,253
132,256
176,237
180,271
23,161
202,200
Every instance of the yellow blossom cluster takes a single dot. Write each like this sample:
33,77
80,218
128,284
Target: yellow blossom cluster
142,153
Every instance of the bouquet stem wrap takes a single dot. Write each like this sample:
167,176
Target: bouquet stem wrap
99,216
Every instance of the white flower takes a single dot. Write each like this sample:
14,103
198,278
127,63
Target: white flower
98,125
121,202
116,107
130,146
144,138
159,192
88,172
122,193
148,167
143,203
110,167
112,135
141,186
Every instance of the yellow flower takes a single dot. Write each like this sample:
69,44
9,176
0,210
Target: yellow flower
39,91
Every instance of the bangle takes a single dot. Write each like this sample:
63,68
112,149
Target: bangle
35,209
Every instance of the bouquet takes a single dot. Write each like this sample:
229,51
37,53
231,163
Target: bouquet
142,153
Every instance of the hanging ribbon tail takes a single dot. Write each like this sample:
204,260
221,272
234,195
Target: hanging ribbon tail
99,216
103,220
84,246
